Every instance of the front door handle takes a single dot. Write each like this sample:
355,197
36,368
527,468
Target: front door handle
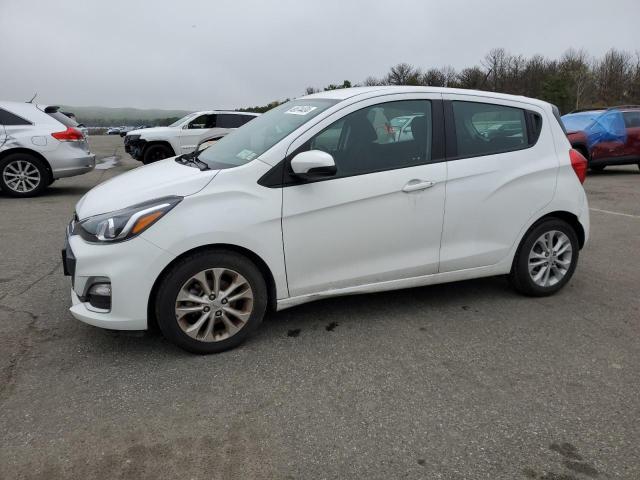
415,185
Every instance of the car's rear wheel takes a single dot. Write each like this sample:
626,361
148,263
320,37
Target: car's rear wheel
154,153
23,175
546,258
211,301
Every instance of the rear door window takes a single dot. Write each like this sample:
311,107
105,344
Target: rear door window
229,120
486,128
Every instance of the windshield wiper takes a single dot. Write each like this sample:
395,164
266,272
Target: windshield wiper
191,159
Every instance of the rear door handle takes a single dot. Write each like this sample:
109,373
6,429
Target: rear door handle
416,184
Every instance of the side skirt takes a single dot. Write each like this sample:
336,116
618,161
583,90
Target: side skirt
501,268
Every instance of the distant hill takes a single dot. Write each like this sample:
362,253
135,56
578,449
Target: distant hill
105,116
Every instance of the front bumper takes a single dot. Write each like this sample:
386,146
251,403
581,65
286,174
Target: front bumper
132,267
134,147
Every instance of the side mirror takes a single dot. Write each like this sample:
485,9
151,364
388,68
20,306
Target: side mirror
313,164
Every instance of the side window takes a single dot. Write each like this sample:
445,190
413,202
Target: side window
381,137
486,128
8,118
247,118
631,119
203,121
227,120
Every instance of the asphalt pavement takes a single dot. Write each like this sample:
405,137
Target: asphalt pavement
461,381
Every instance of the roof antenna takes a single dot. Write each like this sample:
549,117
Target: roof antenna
33,98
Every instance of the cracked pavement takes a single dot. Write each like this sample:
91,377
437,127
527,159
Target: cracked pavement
460,381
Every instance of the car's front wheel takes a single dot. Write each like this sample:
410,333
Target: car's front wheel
546,258
211,301
23,175
155,153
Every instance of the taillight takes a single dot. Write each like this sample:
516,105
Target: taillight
579,164
69,135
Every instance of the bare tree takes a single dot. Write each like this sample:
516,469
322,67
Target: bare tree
404,74
612,75
473,78
576,65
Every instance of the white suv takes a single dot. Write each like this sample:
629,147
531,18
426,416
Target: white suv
312,200
183,136
37,146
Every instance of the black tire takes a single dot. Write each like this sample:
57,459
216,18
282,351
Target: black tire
184,270
155,153
7,169
597,168
520,277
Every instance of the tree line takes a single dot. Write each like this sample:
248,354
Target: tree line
576,80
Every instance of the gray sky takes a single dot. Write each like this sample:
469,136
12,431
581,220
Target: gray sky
227,54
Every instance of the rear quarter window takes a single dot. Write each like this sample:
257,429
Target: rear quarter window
7,118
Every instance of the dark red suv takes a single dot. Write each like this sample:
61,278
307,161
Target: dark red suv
606,136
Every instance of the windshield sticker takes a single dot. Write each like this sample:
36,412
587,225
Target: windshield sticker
300,110
246,155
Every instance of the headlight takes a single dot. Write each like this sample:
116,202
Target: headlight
126,223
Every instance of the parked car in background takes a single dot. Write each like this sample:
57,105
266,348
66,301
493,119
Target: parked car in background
156,143
606,136
279,213
125,130
113,131
37,146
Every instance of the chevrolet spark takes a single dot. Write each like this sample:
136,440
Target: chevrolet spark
344,192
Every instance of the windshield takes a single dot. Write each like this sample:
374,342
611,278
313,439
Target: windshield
177,123
256,137
574,122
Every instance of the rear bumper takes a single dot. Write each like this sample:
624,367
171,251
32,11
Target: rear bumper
622,160
68,166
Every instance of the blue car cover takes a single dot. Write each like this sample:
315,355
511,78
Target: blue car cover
608,127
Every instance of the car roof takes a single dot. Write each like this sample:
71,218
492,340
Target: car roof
233,112
371,92
585,112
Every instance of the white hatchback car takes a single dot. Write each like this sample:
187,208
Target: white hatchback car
37,146
312,200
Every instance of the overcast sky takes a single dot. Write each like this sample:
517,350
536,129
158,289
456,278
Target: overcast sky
227,54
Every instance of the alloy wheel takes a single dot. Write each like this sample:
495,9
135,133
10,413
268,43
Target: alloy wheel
21,176
214,304
550,258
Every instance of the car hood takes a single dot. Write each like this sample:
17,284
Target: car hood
160,179
153,131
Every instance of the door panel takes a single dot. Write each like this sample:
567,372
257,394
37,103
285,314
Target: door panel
491,197
198,129
362,229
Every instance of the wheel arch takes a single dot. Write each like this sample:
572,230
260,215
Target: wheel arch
151,143
28,151
255,258
568,217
